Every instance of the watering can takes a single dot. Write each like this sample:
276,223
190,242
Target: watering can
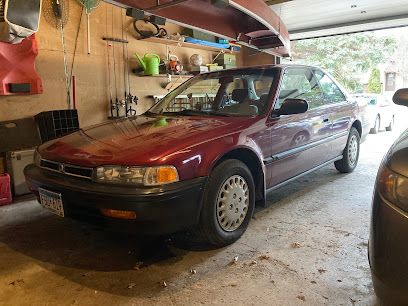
150,63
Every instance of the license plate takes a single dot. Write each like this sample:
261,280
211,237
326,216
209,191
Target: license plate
51,201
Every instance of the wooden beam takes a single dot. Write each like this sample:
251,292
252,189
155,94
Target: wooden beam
273,2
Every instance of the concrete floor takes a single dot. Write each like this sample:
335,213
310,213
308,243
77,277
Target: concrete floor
309,247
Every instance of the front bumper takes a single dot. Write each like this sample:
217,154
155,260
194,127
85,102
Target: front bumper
388,251
159,210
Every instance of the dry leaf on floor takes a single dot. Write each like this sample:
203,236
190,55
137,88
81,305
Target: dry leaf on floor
295,245
17,282
131,285
234,261
163,284
264,257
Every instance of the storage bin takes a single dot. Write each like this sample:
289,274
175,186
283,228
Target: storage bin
16,162
54,124
5,189
18,134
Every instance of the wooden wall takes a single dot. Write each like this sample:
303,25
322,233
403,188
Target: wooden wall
91,71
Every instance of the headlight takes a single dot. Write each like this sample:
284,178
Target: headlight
393,187
37,158
148,176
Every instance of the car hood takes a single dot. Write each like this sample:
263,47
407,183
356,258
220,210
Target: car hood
142,140
397,156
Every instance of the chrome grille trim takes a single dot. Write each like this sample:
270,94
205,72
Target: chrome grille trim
64,168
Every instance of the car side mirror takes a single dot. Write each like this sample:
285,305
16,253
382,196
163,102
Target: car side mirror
293,106
401,97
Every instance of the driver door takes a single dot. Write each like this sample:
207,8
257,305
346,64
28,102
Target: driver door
299,142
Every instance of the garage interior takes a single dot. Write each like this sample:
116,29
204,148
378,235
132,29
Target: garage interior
308,246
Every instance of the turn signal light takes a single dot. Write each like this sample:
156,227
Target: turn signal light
166,174
161,175
119,214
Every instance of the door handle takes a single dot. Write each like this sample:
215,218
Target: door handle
326,120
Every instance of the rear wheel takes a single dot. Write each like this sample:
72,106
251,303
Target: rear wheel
376,127
350,153
228,204
391,126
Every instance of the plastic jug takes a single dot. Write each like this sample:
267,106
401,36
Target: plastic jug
150,63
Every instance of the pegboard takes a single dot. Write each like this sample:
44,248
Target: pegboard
17,68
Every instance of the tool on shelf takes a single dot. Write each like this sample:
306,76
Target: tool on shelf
155,21
174,66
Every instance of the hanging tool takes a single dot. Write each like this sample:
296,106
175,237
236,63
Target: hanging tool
108,45
89,6
124,66
58,9
72,79
114,69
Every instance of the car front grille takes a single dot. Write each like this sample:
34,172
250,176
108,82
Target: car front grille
66,169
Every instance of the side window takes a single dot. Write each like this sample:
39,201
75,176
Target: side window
332,93
299,83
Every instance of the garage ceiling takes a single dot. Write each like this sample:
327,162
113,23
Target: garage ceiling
318,18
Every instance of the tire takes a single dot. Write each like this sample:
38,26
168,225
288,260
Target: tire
351,153
376,127
391,126
211,230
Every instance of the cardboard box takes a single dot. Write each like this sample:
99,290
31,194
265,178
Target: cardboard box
199,35
198,69
226,59
215,68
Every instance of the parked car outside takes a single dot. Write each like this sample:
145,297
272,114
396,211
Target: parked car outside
380,111
388,250
202,161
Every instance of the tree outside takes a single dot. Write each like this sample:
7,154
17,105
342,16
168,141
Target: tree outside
346,57
374,83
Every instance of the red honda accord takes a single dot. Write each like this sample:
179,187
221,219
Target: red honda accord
204,156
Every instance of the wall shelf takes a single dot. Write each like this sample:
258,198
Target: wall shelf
171,42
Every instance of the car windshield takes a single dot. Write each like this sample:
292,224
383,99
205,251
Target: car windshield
242,92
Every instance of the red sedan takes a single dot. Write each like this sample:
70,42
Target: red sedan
204,156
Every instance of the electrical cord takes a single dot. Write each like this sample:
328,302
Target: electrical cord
160,32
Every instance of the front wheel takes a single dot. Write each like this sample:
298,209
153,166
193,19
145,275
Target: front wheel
350,153
228,203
